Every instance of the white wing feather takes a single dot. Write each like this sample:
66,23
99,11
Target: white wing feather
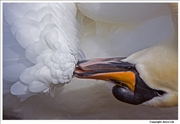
122,32
51,52
120,13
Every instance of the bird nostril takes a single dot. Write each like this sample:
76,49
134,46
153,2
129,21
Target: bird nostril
81,61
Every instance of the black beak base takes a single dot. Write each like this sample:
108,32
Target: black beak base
141,94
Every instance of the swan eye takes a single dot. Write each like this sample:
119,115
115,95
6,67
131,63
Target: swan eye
160,92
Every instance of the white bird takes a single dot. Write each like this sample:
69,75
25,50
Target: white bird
41,47
149,76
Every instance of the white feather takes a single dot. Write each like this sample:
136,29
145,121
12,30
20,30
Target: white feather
19,89
113,13
39,30
49,35
37,86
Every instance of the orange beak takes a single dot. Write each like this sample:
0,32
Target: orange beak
112,70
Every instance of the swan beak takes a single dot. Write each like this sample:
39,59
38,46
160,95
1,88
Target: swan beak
109,69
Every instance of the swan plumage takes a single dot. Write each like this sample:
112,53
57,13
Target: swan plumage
30,71
53,52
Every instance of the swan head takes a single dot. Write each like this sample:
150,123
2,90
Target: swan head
129,86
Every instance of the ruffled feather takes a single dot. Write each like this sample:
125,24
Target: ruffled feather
41,33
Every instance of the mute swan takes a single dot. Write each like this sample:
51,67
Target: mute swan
146,77
41,45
